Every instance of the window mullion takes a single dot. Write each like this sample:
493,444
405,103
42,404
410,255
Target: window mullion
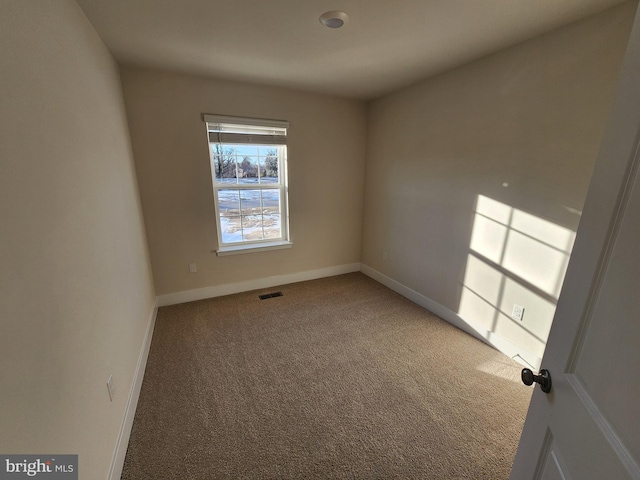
241,218
248,186
261,215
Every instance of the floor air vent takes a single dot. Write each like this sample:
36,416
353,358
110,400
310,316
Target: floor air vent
270,295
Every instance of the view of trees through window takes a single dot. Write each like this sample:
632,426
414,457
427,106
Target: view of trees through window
249,205
234,163
249,172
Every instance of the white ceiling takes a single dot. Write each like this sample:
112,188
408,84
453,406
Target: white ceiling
385,45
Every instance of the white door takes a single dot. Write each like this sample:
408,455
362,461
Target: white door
588,426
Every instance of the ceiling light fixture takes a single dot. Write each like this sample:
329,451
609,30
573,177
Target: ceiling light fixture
334,19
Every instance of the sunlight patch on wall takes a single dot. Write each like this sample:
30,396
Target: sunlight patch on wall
488,237
538,251
514,258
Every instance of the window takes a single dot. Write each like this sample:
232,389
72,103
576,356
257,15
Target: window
249,173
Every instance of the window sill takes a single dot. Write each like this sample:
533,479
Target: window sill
252,248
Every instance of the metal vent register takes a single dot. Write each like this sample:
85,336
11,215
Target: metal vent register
270,295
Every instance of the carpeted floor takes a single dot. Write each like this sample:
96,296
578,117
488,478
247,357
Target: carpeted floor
338,378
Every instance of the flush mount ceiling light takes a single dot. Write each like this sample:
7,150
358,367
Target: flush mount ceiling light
334,19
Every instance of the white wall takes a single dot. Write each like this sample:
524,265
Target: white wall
76,286
326,142
475,179
76,291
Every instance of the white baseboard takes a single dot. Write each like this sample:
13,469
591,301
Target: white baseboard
266,282
117,463
496,341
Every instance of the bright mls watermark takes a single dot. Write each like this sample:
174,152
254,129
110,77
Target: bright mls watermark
50,467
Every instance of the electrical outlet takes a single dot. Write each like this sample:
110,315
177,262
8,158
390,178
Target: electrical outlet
193,268
111,387
518,312
384,256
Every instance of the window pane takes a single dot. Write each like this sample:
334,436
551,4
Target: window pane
243,150
252,227
216,166
269,162
231,230
229,203
248,170
250,202
224,163
272,226
270,201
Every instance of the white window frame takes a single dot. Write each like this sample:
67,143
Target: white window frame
273,132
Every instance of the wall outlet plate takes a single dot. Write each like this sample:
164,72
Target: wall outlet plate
193,268
518,312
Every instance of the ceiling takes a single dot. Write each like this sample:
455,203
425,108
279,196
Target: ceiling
384,46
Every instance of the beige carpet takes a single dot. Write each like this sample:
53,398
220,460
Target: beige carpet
338,378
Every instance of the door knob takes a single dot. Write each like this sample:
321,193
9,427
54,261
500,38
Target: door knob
543,378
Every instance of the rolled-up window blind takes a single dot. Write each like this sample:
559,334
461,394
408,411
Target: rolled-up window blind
238,130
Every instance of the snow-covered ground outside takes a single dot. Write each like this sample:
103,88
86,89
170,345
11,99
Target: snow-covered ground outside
249,214
253,227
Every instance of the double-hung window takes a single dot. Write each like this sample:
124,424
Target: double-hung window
249,173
